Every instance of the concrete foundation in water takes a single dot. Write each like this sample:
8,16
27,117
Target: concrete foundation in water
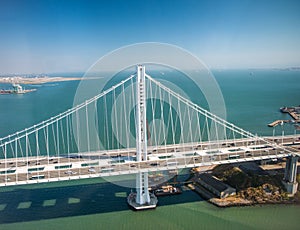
131,200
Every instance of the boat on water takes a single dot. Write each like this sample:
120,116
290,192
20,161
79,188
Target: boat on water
167,190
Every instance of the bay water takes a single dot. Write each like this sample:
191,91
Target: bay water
252,99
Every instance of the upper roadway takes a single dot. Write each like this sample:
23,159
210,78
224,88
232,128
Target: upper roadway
28,170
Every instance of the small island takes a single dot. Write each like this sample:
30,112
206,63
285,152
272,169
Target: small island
36,80
16,82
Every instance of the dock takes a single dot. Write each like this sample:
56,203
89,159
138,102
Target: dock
294,115
277,122
294,112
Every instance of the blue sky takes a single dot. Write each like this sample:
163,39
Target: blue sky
60,36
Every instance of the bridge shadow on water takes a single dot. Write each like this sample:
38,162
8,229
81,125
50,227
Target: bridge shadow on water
23,204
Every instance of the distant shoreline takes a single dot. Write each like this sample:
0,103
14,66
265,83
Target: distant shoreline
36,80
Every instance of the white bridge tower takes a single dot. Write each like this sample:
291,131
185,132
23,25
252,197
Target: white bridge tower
142,199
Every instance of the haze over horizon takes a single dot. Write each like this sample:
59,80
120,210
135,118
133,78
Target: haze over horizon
69,36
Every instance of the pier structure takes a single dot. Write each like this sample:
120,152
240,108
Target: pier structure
290,174
294,112
17,89
278,122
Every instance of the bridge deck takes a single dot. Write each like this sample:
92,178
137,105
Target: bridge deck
14,171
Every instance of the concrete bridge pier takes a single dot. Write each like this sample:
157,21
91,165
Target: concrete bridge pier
142,191
290,175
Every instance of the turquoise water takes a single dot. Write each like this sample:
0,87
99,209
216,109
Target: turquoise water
252,101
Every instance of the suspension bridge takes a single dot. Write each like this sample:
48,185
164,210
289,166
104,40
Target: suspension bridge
138,126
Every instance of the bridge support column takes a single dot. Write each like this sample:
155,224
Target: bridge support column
290,174
142,191
142,199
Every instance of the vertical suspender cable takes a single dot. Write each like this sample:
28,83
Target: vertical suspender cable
16,159
58,150
5,161
87,128
106,124
47,149
125,119
190,124
26,152
78,139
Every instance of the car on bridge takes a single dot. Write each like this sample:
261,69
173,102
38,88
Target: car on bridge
92,169
69,172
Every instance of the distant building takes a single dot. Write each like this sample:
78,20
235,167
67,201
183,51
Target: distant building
215,186
17,89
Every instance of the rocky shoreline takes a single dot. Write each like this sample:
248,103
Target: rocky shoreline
255,196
